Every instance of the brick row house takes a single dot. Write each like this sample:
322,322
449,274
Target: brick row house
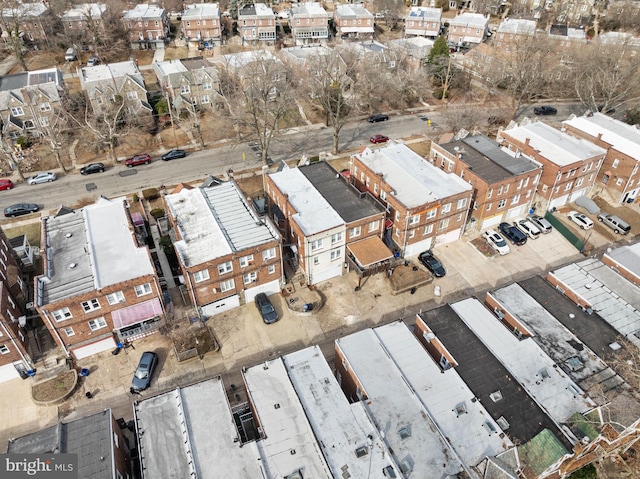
570,165
353,21
188,82
257,23
309,23
83,22
27,20
322,217
15,359
423,22
504,184
426,206
227,253
512,32
148,26
202,26
99,285
619,172
30,102
467,28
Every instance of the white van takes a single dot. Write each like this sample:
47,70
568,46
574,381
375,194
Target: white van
70,55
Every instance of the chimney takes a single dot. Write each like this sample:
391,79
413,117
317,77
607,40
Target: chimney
526,141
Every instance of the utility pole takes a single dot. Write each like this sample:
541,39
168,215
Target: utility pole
446,81
173,128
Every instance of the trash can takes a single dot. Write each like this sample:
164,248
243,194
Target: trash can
31,373
84,372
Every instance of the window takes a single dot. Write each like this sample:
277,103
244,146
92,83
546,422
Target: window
515,199
500,190
246,261
354,232
69,332
17,111
432,213
568,186
488,206
316,244
29,124
462,203
269,254
200,276
44,107
227,285
97,323
62,314
4,349
225,268
428,229
336,254
519,184
143,289
615,163
414,220
445,208
184,89
115,298
250,277
207,86
316,260
501,203
374,225
412,233
336,238
271,269
205,100
397,216
619,182
443,224
383,195
90,305
489,193
44,121
132,95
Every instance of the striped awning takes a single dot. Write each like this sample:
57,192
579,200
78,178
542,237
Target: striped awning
136,313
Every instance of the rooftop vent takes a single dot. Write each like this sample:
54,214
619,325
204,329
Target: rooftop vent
73,265
68,235
496,396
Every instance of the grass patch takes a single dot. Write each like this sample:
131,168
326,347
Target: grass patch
173,53
422,148
30,230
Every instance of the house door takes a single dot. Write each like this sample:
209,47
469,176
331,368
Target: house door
605,179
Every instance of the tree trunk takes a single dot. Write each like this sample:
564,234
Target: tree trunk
336,141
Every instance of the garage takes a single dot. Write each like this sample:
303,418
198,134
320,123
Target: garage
577,194
94,348
8,372
516,212
491,222
448,237
269,288
225,304
417,248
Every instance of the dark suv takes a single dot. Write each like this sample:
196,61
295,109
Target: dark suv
266,309
513,233
378,117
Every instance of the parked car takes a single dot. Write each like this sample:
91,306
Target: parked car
379,139
173,154
6,184
138,160
266,309
617,224
20,209
93,61
42,178
92,168
378,117
582,220
496,241
541,223
144,371
432,264
528,228
545,110
513,233
70,54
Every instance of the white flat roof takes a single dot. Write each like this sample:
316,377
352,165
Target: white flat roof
214,222
556,393
241,59
627,257
351,10
171,66
144,10
554,145
201,10
615,299
397,409
84,10
425,13
471,19
623,137
340,427
414,180
560,343
517,25
190,431
313,214
308,9
109,71
289,444
442,392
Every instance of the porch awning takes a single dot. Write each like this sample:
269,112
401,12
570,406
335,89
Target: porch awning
136,313
369,251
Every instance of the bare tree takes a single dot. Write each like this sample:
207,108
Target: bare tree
13,15
459,116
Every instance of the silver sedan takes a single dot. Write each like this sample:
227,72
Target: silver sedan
42,178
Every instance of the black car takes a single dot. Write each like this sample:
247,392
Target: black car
432,264
513,233
267,311
173,154
20,209
378,117
92,168
144,371
545,110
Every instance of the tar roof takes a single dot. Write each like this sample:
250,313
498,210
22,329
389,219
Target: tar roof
342,428
189,432
627,257
487,159
259,9
556,146
485,375
349,203
409,430
415,181
576,359
465,423
89,437
623,137
90,249
289,444
214,222
313,214
615,299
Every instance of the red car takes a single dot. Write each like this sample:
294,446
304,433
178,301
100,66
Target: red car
379,139
6,184
138,160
